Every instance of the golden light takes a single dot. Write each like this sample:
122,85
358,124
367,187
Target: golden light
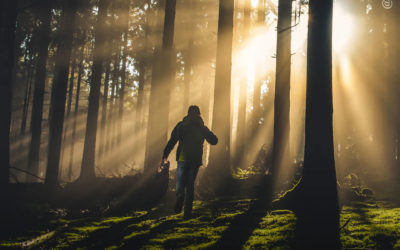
254,3
343,26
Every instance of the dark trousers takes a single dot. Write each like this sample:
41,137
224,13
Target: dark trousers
186,175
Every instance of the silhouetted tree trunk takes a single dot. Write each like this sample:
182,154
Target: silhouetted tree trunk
157,131
256,114
140,99
320,222
103,122
125,23
88,159
8,12
281,147
59,89
27,98
76,111
40,83
188,56
220,165
69,105
241,125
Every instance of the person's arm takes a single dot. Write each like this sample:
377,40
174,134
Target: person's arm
209,136
171,143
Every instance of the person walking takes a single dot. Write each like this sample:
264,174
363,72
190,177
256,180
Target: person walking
191,133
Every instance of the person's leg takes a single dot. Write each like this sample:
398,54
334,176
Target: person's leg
180,186
191,177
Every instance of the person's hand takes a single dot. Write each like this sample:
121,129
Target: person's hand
164,161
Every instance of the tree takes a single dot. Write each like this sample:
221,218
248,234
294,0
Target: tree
255,118
241,125
43,33
282,88
220,165
76,109
319,222
88,159
157,132
8,12
59,89
125,24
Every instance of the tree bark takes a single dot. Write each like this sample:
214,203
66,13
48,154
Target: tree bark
58,91
220,164
103,122
125,23
27,98
8,12
281,147
88,159
241,124
320,221
76,111
256,114
157,132
40,83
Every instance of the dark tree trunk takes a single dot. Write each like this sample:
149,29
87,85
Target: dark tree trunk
157,132
88,159
27,98
281,145
256,114
40,83
220,154
140,99
241,124
188,59
187,75
125,23
103,122
111,119
8,12
58,91
76,111
69,106
320,222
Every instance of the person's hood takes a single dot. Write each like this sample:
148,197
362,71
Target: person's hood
193,119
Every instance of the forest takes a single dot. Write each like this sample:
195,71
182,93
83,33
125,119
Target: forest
200,124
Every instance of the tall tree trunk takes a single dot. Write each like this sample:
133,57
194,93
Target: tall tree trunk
241,125
88,159
140,99
320,220
40,83
27,98
188,58
58,91
111,119
157,131
76,111
220,154
125,23
281,147
69,105
103,122
187,75
8,12
256,114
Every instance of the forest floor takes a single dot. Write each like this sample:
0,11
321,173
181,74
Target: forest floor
230,223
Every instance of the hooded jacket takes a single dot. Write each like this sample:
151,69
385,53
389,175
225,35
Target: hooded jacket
191,133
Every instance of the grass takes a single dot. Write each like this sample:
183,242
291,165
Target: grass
372,224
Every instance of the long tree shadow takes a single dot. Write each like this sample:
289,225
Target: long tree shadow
243,225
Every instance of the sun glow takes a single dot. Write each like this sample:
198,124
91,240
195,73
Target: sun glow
343,26
254,3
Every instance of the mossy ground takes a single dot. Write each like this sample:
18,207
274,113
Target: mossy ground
374,225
